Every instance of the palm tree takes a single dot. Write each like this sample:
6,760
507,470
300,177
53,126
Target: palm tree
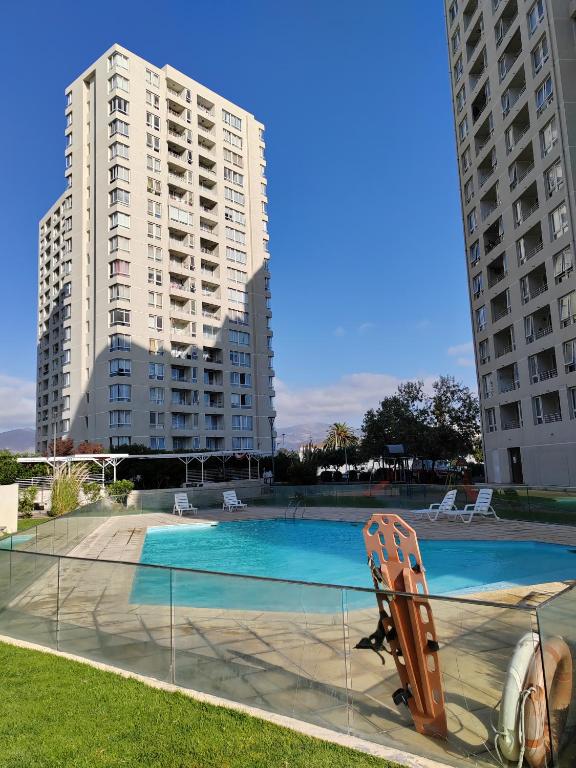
340,435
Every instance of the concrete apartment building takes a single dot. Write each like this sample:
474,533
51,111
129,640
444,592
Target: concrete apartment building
513,74
154,286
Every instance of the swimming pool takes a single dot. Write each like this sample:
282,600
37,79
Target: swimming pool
324,552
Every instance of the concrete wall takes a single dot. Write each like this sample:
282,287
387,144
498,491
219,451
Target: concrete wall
208,496
9,508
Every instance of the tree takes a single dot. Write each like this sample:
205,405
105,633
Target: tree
64,447
340,436
87,447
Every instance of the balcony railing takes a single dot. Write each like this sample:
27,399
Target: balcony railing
486,174
517,138
500,313
528,254
531,294
493,243
524,215
548,418
505,350
551,373
512,424
509,387
494,279
543,332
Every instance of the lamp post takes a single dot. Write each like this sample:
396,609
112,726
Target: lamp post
271,422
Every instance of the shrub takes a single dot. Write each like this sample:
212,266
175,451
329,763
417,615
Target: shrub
92,491
68,481
120,490
26,499
303,473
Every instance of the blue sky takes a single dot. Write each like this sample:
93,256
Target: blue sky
368,272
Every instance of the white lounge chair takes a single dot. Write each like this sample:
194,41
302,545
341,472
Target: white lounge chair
444,507
182,504
482,507
231,501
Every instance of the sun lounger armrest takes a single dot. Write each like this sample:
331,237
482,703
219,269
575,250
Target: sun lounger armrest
468,507
434,506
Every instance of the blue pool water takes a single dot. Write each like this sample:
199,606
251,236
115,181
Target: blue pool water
322,552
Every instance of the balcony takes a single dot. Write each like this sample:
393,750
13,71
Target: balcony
514,92
529,244
212,355
511,416
181,351
489,202
500,305
510,55
213,400
478,69
493,235
182,265
487,167
208,247
178,285
504,342
207,144
208,207
213,378
182,328
542,366
533,284
177,90
182,309
508,379
210,311
483,135
204,106
208,186
208,226
180,374
210,290
206,124
547,408
526,205
497,270
206,165
182,397
469,12
480,102
475,36
517,129
210,270
538,324
505,21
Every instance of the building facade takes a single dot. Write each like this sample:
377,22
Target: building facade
513,75
154,285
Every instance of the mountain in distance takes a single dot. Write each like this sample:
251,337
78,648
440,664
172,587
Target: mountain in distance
291,438
18,440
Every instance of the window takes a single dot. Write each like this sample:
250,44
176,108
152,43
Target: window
559,221
154,230
119,196
156,371
65,379
458,69
232,138
463,129
233,196
120,341
119,393
563,264
180,215
535,16
66,357
155,209
477,284
554,178
118,104
155,322
154,299
240,358
68,140
483,351
157,395
569,353
153,163
544,94
481,318
153,142
237,276
540,54
548,136
154,186
572,402
119,440
466,159
231,214
118,82
240,401
242,422
119,243
567,309
237,297
490,419
153,99
156,420
120,367
120,419
117,149
119,127
239,337
119,292
232,120
69,99
154,276
461,98
152,78
119,267
157,443
242,443
472,221
235,235
119,317
155,253
234,158
119,173
68,161
469,190
119,219
117,60
233,176
453,11
153,121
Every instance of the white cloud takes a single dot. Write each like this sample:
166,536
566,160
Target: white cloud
339,331
364,328
17,402
347,399
464,354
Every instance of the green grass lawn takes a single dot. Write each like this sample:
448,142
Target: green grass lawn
56,713
30,522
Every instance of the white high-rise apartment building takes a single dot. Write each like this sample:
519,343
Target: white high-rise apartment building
513,73
154,285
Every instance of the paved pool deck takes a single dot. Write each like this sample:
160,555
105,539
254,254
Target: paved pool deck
302,664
